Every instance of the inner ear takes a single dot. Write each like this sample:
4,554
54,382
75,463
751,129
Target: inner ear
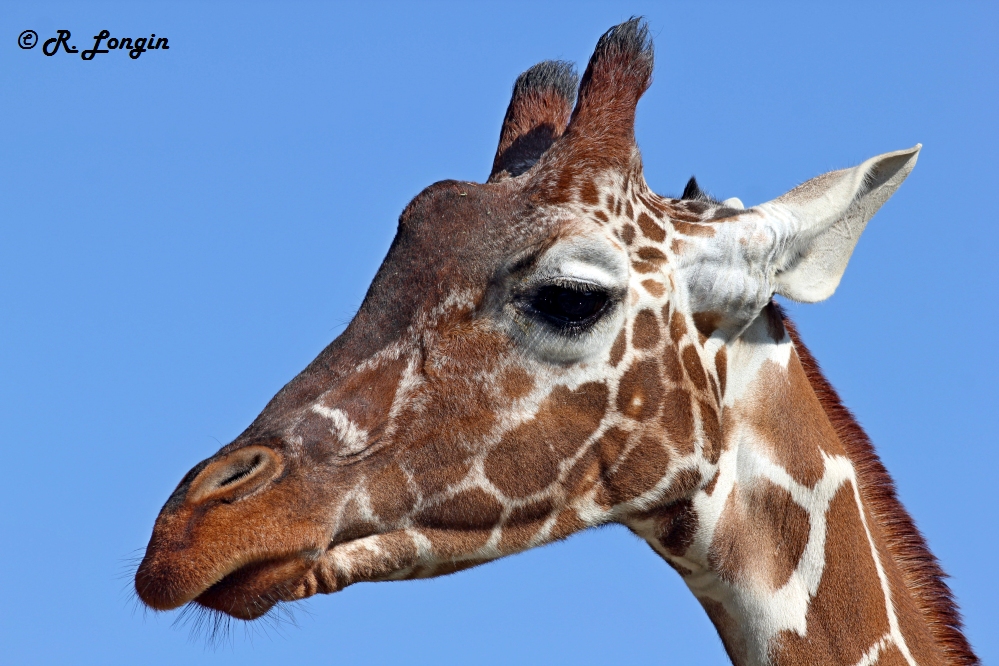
538,114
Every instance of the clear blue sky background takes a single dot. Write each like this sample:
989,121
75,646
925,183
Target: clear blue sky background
181,234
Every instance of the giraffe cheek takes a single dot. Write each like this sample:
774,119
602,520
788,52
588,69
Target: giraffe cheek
527,459
461,524
523,463
389,493
642,468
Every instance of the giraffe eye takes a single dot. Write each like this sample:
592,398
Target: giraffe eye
570,306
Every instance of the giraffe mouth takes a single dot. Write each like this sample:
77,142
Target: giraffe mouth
252,589
249,586
252,584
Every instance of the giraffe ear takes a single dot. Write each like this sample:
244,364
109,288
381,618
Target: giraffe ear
538,114
818,223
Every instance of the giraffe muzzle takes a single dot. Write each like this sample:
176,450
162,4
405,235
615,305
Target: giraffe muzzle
219,542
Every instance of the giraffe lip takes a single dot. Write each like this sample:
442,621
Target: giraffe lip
252,589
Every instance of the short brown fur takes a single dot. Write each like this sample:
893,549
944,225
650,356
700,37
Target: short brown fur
924,579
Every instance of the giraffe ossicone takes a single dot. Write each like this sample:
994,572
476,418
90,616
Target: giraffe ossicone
560,348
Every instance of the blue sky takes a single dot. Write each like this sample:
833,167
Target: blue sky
184,232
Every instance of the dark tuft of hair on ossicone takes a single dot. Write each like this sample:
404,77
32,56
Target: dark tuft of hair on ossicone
558,76
538,114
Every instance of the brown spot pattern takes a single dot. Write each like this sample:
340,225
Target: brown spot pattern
643,467
652,255
713,442
567,523
692,363
721,363
848,613
388,492
761,535
516,383
628,234
707,322
671,365
644,267
610,445
522,524
653,287
677,326
471,509
640,391
433,467
645,330
891,656
650,229
618,349
787,415
526,459
710,488
678,421
693,229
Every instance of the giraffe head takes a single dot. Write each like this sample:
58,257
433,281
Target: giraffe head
537,354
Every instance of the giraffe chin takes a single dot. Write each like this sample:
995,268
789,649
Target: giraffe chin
253,589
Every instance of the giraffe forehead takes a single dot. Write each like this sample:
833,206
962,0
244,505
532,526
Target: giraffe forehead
640,222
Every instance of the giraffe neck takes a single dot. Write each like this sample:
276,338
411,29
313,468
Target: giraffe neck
783,547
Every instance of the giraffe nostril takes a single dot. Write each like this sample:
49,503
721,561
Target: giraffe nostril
243,471
235,475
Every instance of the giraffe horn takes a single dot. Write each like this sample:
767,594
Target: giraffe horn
618,74
538,114
601,132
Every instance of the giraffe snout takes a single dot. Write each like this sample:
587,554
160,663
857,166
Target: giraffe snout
230,539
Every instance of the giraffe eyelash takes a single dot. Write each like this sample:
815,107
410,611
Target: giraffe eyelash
570,307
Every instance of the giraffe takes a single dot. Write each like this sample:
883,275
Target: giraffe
560,348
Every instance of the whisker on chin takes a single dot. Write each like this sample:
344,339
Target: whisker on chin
211,628
215,629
